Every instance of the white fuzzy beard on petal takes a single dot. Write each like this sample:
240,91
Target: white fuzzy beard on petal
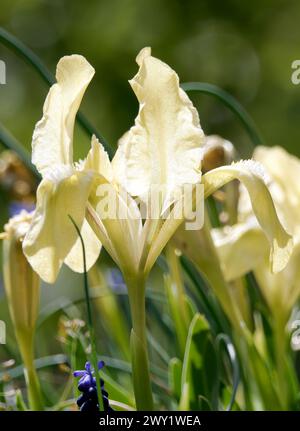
256,168
19,224
79,166
59,173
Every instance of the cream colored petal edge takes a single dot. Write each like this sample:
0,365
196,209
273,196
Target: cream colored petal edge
53,134
100,231
52,235
98,161
282,167
122,224
240,248
251,174
164,145
118,234
161,238
74,259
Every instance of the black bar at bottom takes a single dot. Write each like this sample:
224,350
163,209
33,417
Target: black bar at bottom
145,420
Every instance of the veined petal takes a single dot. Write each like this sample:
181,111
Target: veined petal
281,290
161,238
112,213
98,161
119,162
99,229
240,248
74,259
121,223
164,145
251,174
283,168
53,134
52,235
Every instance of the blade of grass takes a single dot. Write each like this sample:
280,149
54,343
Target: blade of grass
46,361
231,103
211,309
234,363
13,43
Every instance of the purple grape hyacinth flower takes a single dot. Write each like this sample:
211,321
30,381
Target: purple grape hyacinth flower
88,400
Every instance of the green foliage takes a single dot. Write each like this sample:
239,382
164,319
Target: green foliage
198,361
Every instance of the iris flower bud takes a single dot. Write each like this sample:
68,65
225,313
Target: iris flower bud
22,287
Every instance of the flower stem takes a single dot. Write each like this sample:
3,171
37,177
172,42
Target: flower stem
138,343
286,377
31,378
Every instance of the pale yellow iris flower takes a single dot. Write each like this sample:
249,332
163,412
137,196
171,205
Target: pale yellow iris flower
163,148
243,247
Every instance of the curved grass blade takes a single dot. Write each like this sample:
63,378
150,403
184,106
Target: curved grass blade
231,103
33,60
199,367
44,362
223,338
158,348
209,307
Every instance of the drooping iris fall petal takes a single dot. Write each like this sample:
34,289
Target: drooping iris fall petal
51,235
251,174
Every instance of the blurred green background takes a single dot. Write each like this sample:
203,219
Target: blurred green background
245,47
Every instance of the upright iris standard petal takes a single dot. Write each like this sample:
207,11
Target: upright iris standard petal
65,188
164,145
51,235
119,231
98,161
53,135
251,174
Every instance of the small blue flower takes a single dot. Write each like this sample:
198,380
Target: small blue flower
117,282
88,401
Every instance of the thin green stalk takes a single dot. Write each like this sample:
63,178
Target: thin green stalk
138,343
33,60
26,343
90,321
234,363
286,376
231,103
177,298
